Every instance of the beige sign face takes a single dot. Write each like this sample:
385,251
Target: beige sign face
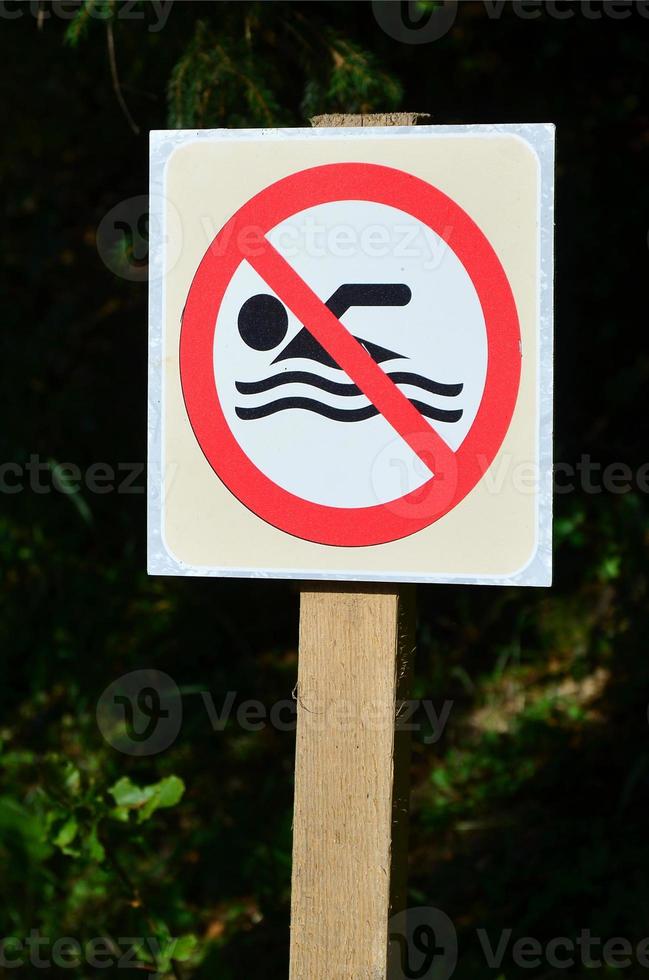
351,354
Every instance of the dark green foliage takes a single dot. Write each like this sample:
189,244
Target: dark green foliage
239,69
220,79
89,10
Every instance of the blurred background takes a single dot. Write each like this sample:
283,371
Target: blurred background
530,807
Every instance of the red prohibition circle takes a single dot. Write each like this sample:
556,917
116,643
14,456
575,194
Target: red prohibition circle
460,471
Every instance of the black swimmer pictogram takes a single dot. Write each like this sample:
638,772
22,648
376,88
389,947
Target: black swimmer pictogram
263,325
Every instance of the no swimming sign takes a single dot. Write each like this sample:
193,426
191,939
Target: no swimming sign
350,354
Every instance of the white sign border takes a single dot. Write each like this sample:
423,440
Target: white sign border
540,137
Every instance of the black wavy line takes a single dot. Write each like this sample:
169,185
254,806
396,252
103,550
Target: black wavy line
335,388
439,414
435,387
340,414
297,377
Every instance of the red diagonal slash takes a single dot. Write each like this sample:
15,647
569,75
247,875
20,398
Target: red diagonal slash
352,357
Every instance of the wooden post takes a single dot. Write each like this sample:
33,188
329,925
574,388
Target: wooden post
352,760
351,780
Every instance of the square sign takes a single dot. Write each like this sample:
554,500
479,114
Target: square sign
351,353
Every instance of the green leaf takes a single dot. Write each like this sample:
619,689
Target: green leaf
90,10
93,846
23,832
168,792
65,836
145,800
125,793
120,813
610,568
184,948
